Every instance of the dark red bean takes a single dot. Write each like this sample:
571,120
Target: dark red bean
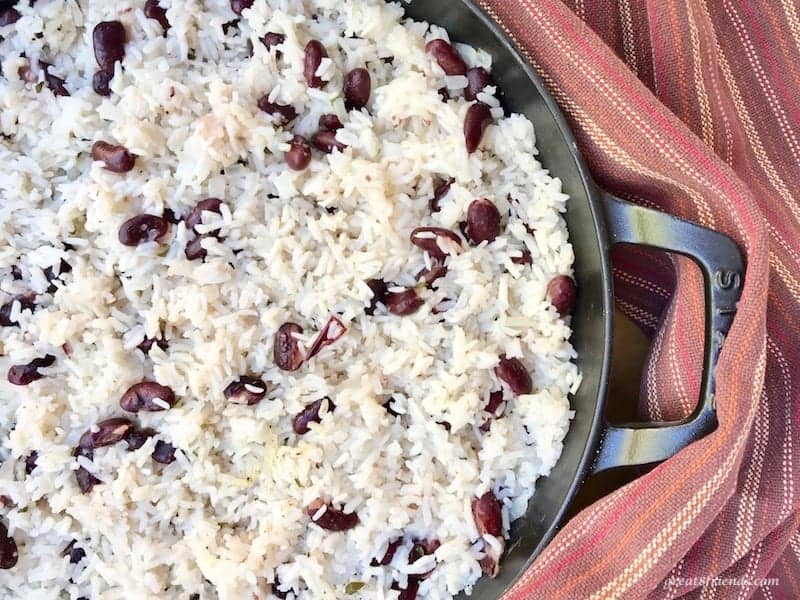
278,593
379,289
431,275
30,462
403,303
439,193
389,555
444,94
283,113
447,57
137,437
314,53
477,120
86,481
109,44
477,80
101,82
493,407
410,591
16,273
164,453
357,89
325,141
389,408
524,259
299,155
422,548
147,343
488,516
117,159
75,553
246,390
152,10
194,249
562,293
286,350
51,276
8,548
26,302
54,84
142,396
331,332
427,238
330,122
483,221
9,16
108,433
195,217
26,374
143,228
272,39
238,6
310,414
332,519
514,374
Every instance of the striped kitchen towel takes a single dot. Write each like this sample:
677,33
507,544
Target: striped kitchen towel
691,107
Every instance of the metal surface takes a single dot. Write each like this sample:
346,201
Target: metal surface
596,222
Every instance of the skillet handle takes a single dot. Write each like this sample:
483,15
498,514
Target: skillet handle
723,273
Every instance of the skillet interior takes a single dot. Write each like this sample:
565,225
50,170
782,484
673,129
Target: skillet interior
523,92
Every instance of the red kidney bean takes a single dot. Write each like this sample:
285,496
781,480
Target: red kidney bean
238,6
75,553
246,390
388,555
137,437
422,548
493,407
477,120
403,303
314,53
16,274
152,10
286,349
164,453
524,259
514,374
333,330
26,301
379,288
109,44
117,159
108,433
273,39
54,84
488,516
52,277
299,155
30,462
357,89
310,414
332,519
325,141
410,591
330,122
483,221
86,481
8,549
562,293
169,216
143,228
432,275
195,217
26,374
439,193
283,113
142,396
194,249
447,57
427,238
9,16
147,343
477,80
101,82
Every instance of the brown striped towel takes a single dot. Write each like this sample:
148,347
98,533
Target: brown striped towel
690,106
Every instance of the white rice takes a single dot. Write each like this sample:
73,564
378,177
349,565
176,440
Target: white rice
229,515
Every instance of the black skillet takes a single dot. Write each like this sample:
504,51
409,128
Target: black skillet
597,221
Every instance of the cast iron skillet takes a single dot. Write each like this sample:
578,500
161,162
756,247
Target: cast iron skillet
596,220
